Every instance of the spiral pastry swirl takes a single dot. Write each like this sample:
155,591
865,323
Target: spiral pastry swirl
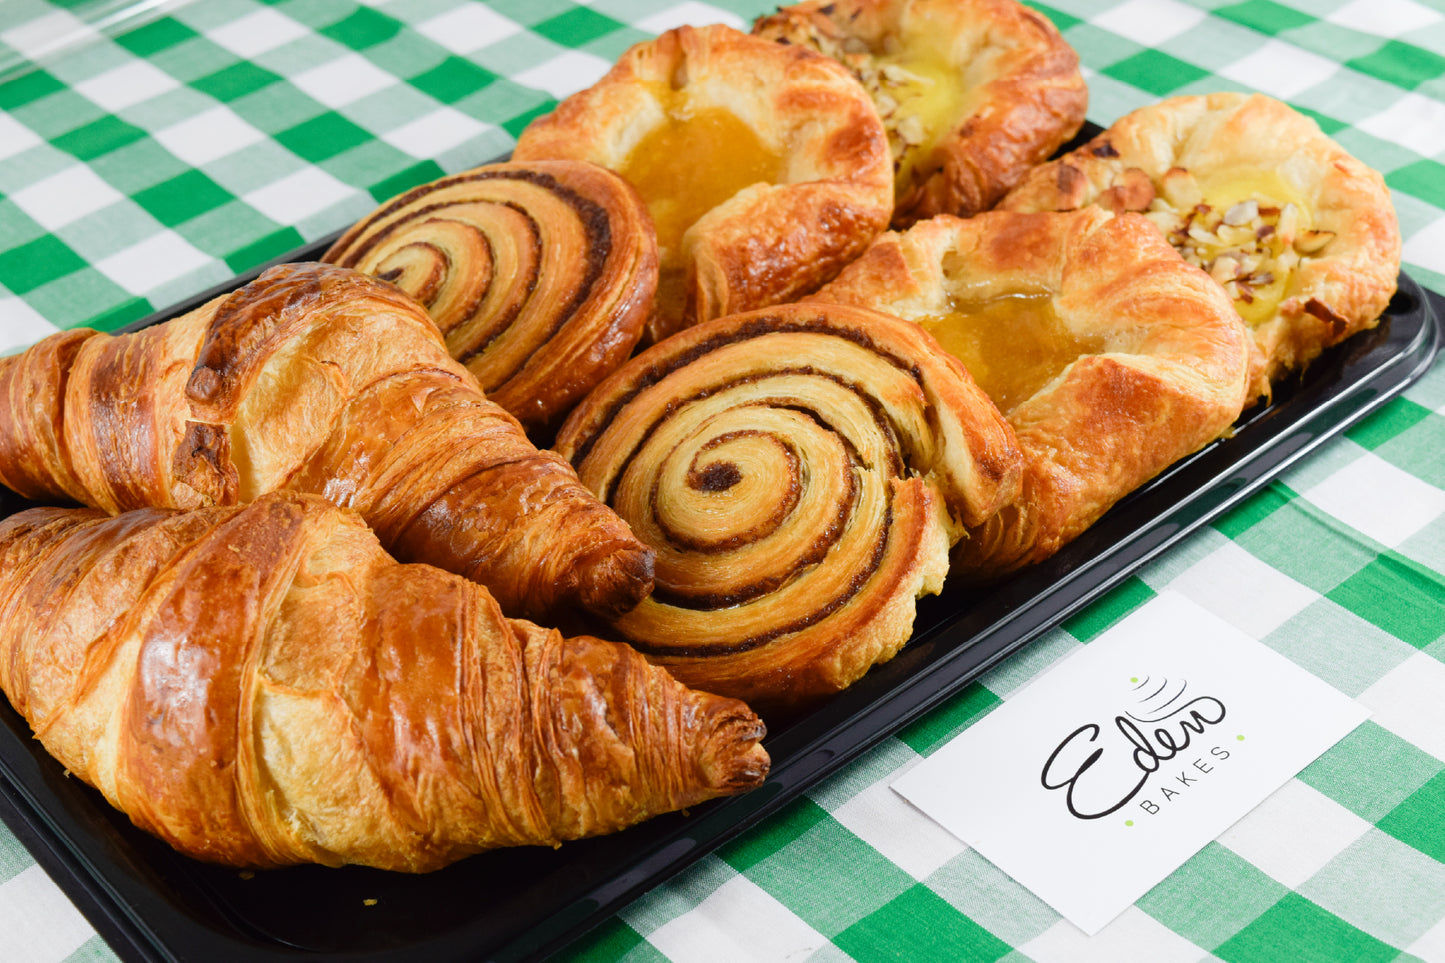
801,472
539,275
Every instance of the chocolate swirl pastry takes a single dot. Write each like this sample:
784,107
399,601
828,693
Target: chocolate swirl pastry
801,472
540,275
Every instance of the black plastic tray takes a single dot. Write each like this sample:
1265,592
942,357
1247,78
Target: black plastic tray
152,904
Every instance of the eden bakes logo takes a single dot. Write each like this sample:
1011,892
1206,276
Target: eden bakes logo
1147,756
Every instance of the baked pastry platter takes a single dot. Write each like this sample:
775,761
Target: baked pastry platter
775,422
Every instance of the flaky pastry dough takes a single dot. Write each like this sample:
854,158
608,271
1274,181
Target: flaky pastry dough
1160,370
788,139
540,275
972,92
319,379
801,471
1301,234
263,686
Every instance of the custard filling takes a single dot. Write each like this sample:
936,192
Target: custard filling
1013,345
915,87
919,96
1249,230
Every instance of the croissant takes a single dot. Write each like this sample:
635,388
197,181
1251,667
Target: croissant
317,379
539,275
262,686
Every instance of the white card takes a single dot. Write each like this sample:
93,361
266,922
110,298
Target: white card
1103,776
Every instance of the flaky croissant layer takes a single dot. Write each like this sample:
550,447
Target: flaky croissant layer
264,686
317,379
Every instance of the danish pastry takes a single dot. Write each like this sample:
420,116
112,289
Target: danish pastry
972,92
765,168
1299,233
263,686
539,275
800,471
1110,356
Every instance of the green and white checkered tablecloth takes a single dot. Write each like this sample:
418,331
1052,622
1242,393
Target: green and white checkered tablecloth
149,150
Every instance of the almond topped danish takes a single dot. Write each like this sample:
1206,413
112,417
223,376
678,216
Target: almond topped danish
801,472
972,92
1301,235
1110,356
765,168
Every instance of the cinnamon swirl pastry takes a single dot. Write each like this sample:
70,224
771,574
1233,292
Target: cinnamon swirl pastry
1300,234
539,275
800,472
972,92
765,167
1111,357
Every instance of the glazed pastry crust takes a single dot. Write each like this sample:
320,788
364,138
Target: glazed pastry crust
800,471
769,243
263,686
1170,380
1334,292
540,276
1023,95
319,379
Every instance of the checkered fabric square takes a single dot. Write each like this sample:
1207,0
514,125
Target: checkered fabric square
149,151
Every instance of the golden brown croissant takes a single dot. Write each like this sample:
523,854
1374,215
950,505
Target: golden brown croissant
540,275
263,686
318,379
801,471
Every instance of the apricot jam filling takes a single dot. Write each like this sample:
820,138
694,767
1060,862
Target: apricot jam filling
1013,345
695,160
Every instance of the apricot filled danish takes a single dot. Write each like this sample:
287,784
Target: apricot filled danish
972,92
539,275
765,167
1111,357
1301,235
800,472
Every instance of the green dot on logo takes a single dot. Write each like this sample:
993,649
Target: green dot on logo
1134,679
1128,822
1239,738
